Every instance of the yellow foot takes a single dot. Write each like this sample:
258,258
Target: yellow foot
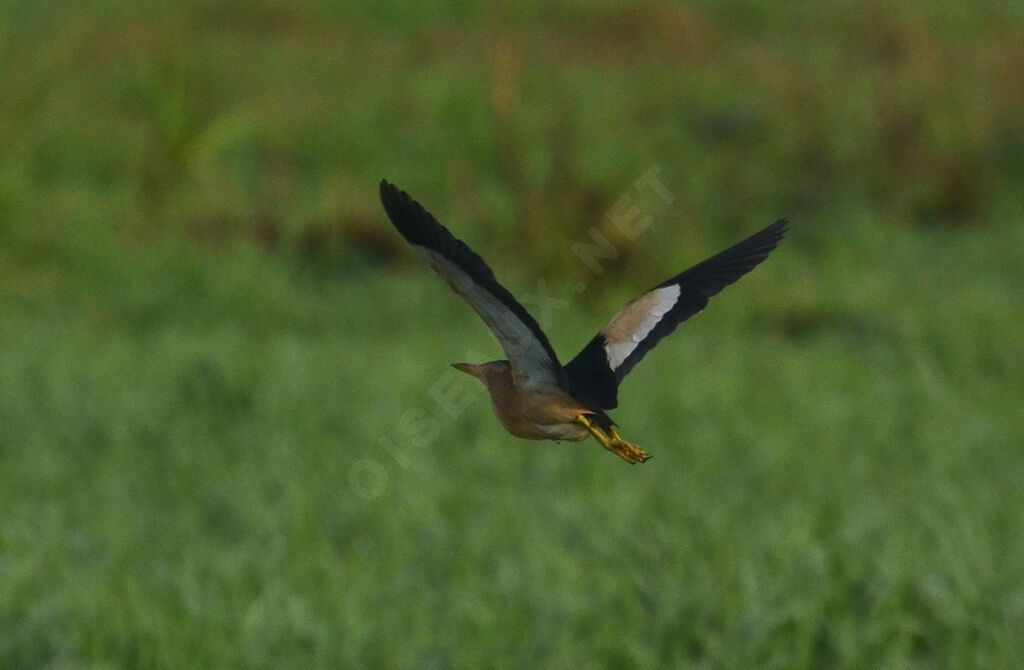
614,443
627,451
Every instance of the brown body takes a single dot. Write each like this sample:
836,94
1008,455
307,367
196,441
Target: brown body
546,413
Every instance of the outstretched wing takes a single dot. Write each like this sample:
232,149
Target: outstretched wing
595,373
533,361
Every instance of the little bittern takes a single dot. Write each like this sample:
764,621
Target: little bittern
533,395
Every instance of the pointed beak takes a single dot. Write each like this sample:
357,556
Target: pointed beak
469,369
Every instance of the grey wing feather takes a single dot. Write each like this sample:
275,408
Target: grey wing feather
531,356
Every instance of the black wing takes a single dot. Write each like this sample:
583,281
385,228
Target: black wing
595,373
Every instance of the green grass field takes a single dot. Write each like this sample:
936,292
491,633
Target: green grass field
229,434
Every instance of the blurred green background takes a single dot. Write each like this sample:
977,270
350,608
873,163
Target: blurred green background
229,435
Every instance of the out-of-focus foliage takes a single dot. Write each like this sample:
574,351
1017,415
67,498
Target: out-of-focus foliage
228,433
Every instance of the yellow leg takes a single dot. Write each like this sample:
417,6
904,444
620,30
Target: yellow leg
613,442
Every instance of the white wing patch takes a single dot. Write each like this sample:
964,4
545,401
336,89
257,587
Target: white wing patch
636,320
531,365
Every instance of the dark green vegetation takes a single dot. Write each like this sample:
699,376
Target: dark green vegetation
228,433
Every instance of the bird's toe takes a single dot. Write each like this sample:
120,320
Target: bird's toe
630,452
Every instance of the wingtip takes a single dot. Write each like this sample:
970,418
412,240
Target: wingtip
412,221
397,203
775,232
387,189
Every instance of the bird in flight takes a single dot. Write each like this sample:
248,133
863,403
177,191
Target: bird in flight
533,395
